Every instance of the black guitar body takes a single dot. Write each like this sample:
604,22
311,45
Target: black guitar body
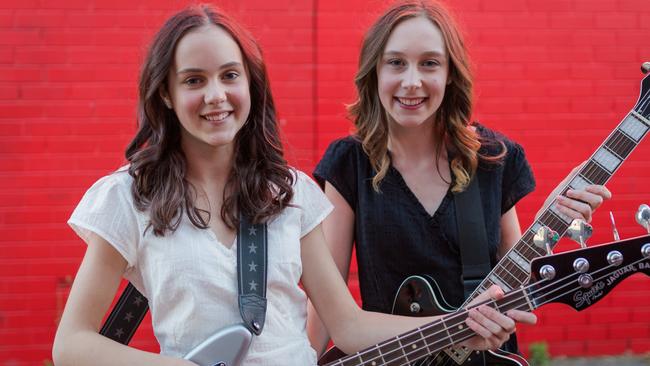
421,296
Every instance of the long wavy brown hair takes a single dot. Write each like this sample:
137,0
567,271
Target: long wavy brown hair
451,118
259,185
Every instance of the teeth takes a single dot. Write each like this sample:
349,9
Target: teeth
216,117
410,101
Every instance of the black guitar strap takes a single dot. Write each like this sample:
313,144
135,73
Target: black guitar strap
472,236
252,251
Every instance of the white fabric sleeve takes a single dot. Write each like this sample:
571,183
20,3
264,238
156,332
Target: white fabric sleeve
107,210
311,200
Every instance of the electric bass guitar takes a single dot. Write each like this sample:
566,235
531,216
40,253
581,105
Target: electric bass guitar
578,278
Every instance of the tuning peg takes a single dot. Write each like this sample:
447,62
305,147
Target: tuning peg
643,217
645,67
579,231
546,238
614,231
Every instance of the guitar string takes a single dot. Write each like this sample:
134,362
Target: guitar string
515,300
616,142
511,302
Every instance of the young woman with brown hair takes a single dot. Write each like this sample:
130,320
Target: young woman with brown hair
393,182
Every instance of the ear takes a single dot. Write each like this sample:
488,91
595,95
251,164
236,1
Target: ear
164,95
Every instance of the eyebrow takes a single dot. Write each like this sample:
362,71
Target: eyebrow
227,65
426,53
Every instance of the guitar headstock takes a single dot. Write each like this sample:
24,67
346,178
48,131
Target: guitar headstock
643,104
582,277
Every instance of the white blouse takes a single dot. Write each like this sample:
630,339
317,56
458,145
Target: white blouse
190,277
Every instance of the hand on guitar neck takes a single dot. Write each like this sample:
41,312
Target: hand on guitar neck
493,328
576,203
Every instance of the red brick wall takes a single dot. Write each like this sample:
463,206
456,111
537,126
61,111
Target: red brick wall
555,75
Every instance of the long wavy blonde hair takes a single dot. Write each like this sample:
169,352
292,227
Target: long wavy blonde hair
453,115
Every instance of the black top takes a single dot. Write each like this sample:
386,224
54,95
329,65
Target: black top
394,235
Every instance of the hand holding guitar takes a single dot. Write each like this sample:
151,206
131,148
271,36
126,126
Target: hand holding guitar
577,203
492,327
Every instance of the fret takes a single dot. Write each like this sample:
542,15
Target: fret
620,144
578,183
435,335
446,328
528,248
525,294
634,127
527,238
515,257
350,360
391,350
415,346
499,282
607,160
553,222
372,356
556,210
593,173
641,118
515,270
515,300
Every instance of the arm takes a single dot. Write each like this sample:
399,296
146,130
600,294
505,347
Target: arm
338,229
353,329
77,341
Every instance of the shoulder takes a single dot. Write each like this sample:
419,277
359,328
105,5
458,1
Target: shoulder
343,147
118,182
493,142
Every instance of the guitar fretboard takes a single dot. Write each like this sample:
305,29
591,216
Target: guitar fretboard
431,338
513,270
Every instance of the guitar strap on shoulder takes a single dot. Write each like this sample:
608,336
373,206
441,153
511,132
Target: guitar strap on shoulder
472,237
132,306
252,258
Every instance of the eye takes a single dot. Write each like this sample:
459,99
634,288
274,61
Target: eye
192,81
430,63
230,75
396,62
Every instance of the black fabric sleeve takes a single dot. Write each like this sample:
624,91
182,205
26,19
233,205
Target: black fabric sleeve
338,166
518,179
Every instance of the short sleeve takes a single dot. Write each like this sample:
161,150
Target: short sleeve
518,179
311,201
107,210
338,167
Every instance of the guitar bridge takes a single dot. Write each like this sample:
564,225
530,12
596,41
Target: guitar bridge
458,354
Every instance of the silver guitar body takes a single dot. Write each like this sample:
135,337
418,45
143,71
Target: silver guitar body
227,347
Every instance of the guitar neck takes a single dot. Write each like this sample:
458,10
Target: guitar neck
514,268
431,338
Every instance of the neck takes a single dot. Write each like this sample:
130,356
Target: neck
412,144
208,165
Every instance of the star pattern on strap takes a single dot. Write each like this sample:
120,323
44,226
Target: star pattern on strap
252,231
252,267
253,285
252,248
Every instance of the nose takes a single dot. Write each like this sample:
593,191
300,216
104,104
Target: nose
215,93
412,79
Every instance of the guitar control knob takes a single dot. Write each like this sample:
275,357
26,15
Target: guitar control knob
581,265
645,250
585,280
615,258
547,272
415,307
